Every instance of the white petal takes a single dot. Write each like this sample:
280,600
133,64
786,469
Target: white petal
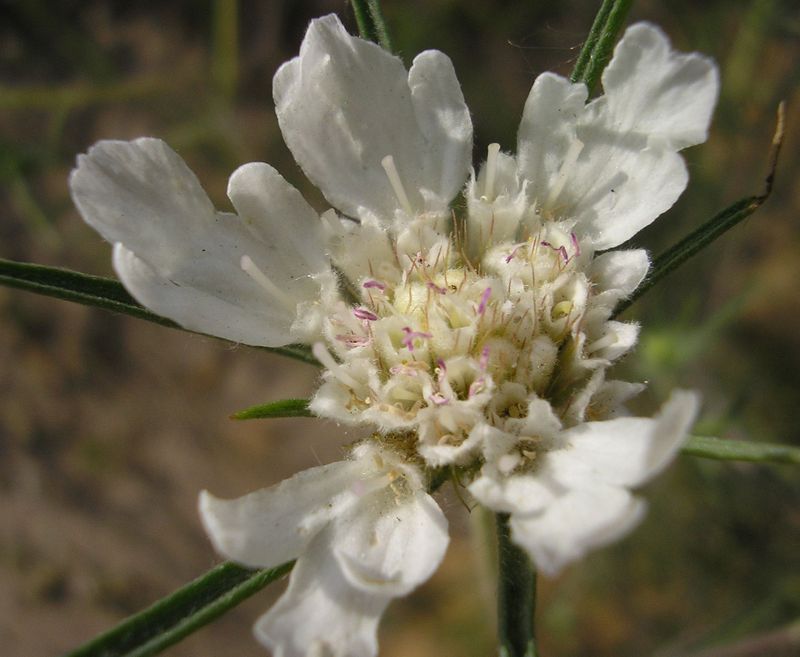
182,259
392,542
234,309
624,451
618,339
445,124
547,130
618,185
287,226
274,525
321,614
523,494
617,274
652,89
345,103
576,523
140,193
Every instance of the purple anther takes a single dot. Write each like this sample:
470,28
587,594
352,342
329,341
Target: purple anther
484,360
363,313
562,251
436,288
484,300
476,386
404,370
352,340
441,365
576,245
412,335
511,255
369,284
439,399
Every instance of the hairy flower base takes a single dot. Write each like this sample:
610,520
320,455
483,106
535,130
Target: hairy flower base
445,346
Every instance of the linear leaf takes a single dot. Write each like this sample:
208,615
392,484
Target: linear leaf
741,450
719,224
282,408
103,293
371,24
186,610
599,45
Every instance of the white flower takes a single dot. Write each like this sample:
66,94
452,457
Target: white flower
477,338
363,531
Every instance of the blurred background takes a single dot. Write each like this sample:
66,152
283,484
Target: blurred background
110,426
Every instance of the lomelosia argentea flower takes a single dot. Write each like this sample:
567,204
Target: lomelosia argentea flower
474,335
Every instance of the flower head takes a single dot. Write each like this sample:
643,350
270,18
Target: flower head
477,339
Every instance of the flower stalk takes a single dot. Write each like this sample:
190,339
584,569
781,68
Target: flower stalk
516,595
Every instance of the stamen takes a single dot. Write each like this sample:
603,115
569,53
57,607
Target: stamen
363,313
412,335
324,357
575,245
374,284
484,300
484,359
491,171
352,340
561,250
394,179
511,255
432,286
570,159
251,269
478,385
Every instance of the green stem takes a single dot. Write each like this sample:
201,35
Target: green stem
600,43
181,613
516,595
741,450
103,293
371,24
692,244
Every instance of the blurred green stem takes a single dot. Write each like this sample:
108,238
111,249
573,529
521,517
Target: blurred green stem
516,595
600,43
371,24
225,54
741,450
82,94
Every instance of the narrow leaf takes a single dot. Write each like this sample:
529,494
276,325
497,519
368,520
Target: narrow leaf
181,613
103,293
599,45
282,408
371,25
741,450
719,224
